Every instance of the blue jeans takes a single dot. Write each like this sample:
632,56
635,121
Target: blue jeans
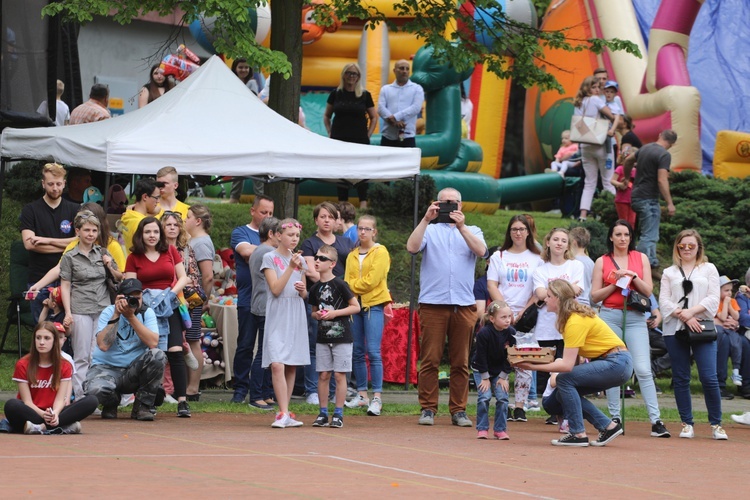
636,338
704,354
367,330
728,345
588,378
483,405
649,214
247,331
553,406
745,366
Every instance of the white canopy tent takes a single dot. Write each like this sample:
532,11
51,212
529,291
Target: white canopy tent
209,124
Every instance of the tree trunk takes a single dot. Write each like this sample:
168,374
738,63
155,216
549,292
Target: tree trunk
284,97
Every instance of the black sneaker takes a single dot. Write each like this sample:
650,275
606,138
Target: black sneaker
183,410
725,394
617,420
511,418
606,436
571,440
659,431
551,420
321,420
519,415
337,422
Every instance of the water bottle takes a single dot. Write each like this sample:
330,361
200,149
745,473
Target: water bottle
608,163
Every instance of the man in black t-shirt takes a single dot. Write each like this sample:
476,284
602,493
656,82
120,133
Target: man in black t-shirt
46,229
652,162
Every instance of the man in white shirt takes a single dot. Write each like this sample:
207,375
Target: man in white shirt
399,105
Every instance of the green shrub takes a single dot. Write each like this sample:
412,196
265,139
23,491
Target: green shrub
397,200
22,182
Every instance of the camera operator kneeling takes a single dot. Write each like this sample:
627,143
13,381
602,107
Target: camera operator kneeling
126,358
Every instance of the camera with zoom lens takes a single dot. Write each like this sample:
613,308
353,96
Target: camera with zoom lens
133,302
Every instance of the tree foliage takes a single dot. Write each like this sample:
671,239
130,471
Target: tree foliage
439,23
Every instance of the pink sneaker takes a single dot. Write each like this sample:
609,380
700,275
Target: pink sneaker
502,435
564,429
481,434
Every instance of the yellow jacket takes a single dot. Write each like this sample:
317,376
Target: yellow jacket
370,282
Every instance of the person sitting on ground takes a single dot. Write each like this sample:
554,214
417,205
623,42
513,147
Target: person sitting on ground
333,304
492,368
126,358
43,379
611,365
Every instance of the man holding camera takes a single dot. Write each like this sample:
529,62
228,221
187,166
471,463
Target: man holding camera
446,301
126,358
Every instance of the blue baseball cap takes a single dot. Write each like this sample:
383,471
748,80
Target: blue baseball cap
611,84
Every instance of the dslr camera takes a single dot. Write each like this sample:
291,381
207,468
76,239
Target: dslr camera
133,302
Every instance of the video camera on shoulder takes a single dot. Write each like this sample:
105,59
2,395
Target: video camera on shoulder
444,212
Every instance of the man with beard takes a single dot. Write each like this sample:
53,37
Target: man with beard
46,229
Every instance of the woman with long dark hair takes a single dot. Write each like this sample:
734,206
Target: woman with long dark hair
43,378
159,267
158,84
622,260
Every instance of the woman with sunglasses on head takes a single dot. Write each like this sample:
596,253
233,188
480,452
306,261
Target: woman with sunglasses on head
367,269
354,118
622,261
158,84
159,267
83,286
510,280
689,293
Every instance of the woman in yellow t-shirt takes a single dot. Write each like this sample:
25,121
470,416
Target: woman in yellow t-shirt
610,365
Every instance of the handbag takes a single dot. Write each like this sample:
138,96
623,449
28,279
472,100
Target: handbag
635,300
112,283
528,319
707,333
588,129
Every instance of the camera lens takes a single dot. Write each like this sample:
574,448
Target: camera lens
133,302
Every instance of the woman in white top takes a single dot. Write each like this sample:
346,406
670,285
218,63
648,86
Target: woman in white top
559,263
509,279
690,292
588,103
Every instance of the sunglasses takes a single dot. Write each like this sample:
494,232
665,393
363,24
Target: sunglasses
169,213
323,258
687,246
351,73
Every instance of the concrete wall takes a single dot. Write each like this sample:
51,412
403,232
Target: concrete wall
121,56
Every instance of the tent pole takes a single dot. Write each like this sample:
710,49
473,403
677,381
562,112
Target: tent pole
410,331
107,183
2,183
296,198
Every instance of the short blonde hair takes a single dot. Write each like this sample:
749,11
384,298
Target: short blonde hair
164,171
54,169
700,257
60,88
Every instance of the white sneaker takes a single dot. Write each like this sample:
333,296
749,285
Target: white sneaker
169,399
74,428
281,420
736,378
312,399
719,433
743,419
687,431
531,405
127,399
292,422
32,428
375,406
358,401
